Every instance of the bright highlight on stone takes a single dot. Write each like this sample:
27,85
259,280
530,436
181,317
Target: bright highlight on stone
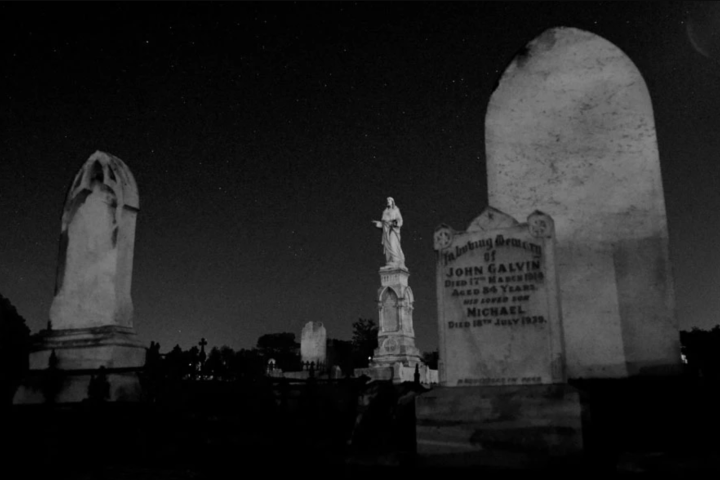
570,131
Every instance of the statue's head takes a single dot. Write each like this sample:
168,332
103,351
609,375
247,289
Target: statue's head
391,202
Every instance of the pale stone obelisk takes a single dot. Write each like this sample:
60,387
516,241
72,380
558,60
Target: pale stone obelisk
570,131
91,315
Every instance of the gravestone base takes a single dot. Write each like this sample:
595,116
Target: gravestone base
403,351
514,427
397,373
80,353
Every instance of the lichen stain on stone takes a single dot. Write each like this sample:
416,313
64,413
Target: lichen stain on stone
522,57
545,42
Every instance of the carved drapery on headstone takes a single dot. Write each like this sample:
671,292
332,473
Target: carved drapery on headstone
97,238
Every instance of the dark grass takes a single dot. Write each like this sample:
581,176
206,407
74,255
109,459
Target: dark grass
215,430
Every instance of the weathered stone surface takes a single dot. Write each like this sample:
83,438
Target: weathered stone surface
399,373
396,336
313,343
509,427
96,247
570,130
499,317
88,348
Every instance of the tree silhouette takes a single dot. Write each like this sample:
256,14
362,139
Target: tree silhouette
14,349
283,348
214,367
364,340
227,357
191,363
248,364
174,364
340,354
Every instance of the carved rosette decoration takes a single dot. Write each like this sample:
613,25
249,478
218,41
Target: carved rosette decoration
443,237
390,345
540,224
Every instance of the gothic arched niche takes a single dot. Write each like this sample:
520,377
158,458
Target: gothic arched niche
389,313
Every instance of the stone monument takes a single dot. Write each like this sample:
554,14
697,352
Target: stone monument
396,338
91,314
498,305
313,344
502,397
570,129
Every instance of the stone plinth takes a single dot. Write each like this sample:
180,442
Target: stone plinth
399,373
509,427
80,353
88,348
570,130
396,336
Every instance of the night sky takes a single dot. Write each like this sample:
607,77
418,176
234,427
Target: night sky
265,137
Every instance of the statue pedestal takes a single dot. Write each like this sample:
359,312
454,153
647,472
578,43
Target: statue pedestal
396,337
80,352
396,354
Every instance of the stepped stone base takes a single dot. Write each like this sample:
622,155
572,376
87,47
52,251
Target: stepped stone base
80,353
507,427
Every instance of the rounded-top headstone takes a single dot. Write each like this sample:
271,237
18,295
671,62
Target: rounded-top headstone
313,343
570,130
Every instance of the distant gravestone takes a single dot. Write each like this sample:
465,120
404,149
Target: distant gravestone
91,314
498,305
271,366
313,343
570,130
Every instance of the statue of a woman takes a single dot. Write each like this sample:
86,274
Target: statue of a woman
390,224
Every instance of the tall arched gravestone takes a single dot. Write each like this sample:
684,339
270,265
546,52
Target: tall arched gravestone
570,131
97,241
91,314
